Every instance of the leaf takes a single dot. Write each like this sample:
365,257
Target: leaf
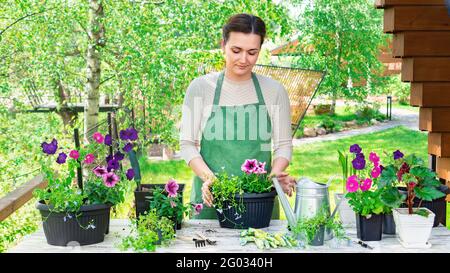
392,198
422,172
388,177
428,193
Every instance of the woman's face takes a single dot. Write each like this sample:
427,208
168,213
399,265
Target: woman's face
241,52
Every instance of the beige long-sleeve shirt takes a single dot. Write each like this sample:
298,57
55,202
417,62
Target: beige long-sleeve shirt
198,102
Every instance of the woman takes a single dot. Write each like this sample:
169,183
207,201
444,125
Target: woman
237,114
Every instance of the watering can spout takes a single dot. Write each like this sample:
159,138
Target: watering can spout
285,203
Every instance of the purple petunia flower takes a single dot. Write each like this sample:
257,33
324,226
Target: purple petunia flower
113,165
99,171
198,208
355,149
110,179
130,174
172,188
108,140
123,134
360,155
50,148
109,158
128,147
119,156
132,134
61,158
359,163
398,155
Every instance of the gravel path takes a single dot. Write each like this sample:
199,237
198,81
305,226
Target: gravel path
400,117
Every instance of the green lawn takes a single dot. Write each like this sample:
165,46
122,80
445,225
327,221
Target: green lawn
317,161
404,106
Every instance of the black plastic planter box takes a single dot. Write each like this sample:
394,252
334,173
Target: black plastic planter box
388,224
257,212
142,201
60,230
369,229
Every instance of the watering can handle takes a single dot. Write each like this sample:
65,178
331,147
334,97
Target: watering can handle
331,179
284,203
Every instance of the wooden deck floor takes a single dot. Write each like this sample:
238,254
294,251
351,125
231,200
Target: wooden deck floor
227,241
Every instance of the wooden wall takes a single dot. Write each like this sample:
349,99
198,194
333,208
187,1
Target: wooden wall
421,38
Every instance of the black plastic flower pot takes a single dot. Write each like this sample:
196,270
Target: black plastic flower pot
319,237
90,227
142,202
388,224
369,229
437,206
257,211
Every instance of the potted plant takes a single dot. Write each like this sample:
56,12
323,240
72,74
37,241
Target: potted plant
167,203
346,214
413,223
364,195
147,232
78,211
312,229
244,201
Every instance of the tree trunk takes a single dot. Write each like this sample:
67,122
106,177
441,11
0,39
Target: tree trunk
96,33
69,117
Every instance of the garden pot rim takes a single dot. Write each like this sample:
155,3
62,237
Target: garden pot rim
246,195
40,205
397,210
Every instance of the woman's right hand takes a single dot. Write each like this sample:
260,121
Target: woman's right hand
206,192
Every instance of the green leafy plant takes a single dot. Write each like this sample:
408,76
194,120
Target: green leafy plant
148,231
363,194
166,202
226,187
309,227
104,184
409,171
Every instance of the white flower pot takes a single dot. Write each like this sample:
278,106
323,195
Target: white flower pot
413,230
346,214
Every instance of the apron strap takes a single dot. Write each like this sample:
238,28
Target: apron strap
258,90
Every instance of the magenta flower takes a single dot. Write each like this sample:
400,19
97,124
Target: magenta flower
352,183
374,158
110,179
74,154
89,159
198,208
249,166
172,188
261,168
98,137
376,171
99,171
366,184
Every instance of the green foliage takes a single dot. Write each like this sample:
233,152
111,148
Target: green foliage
224,189
309,226
167,206
399,89
148,231
368,111
408,171
345,36
63,193
366,202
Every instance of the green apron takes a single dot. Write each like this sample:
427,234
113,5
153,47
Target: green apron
232,142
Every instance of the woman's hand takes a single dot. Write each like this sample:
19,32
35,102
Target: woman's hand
206,192
287,182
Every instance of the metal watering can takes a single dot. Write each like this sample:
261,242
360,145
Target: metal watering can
311,198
